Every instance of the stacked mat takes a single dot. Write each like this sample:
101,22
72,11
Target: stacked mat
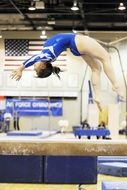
112,159
114,185
113,168
24,133
32,133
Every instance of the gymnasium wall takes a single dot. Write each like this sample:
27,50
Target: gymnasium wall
69,87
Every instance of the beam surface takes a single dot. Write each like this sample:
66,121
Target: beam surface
68,147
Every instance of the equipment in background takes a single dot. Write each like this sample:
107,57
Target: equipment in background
104,133
85,124
24,133
32,133
16,120
63,124
102,125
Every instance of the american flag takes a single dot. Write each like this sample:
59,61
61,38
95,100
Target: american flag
19,50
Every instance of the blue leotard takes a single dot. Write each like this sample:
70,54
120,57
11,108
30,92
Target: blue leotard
53,47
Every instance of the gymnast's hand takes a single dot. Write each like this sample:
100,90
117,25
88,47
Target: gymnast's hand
17,74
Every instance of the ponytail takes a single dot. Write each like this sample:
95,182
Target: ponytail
56,70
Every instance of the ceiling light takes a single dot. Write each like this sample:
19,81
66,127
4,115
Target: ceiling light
0,35
74,31
32,7
75,7
43,34
121,7
51,21
48,28
40,5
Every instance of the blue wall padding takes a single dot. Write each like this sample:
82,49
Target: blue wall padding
114,185
70,170
113,168
25,169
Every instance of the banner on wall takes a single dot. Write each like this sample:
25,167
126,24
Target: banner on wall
35,107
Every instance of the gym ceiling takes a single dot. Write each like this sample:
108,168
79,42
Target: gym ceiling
56,15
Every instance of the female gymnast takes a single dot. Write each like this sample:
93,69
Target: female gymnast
86,47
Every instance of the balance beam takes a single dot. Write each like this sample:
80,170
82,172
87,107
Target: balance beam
61,147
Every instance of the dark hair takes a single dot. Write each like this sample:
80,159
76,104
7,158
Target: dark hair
43,73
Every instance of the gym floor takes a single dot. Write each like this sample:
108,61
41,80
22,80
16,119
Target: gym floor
9,186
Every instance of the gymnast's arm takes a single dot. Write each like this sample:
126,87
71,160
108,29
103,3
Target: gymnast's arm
17,73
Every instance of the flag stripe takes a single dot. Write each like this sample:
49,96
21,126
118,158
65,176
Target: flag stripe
11,58
36,42
17,58
12,68
33,52
13,62
38,48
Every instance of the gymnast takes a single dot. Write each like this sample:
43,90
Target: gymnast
86,47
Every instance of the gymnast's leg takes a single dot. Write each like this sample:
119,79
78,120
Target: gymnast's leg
95,79
89,46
